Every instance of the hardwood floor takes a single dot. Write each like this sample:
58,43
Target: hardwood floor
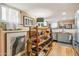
60,49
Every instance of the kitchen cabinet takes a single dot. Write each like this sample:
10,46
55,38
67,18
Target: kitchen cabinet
64,37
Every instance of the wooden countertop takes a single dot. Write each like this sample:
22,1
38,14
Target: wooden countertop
15,31
64,30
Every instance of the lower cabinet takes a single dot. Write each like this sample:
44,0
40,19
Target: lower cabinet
64,37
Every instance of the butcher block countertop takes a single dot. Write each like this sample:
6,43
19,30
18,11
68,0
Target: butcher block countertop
64,30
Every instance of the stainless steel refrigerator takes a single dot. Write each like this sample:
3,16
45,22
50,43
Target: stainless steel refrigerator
76,41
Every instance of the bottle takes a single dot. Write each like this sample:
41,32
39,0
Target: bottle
29,46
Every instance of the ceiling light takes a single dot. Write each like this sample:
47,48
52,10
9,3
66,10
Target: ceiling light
64,13
64,16
77,12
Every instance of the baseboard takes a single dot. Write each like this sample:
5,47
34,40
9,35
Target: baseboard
63,42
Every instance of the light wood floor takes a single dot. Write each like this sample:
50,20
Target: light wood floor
59,49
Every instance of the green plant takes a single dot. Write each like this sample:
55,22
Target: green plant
3,25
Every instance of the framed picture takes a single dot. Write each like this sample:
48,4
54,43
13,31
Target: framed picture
68,26
28,21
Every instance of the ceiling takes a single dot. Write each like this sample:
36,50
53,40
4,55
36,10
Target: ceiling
51,11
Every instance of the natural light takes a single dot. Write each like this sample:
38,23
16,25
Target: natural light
10,15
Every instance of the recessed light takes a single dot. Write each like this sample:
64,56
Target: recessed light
77,11
64,13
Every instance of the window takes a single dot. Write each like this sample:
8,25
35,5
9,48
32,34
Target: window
13,16
54,25
4,15
10,15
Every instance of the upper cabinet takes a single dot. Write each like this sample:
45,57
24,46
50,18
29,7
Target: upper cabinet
67,24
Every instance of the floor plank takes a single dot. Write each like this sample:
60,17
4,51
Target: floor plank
60,49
